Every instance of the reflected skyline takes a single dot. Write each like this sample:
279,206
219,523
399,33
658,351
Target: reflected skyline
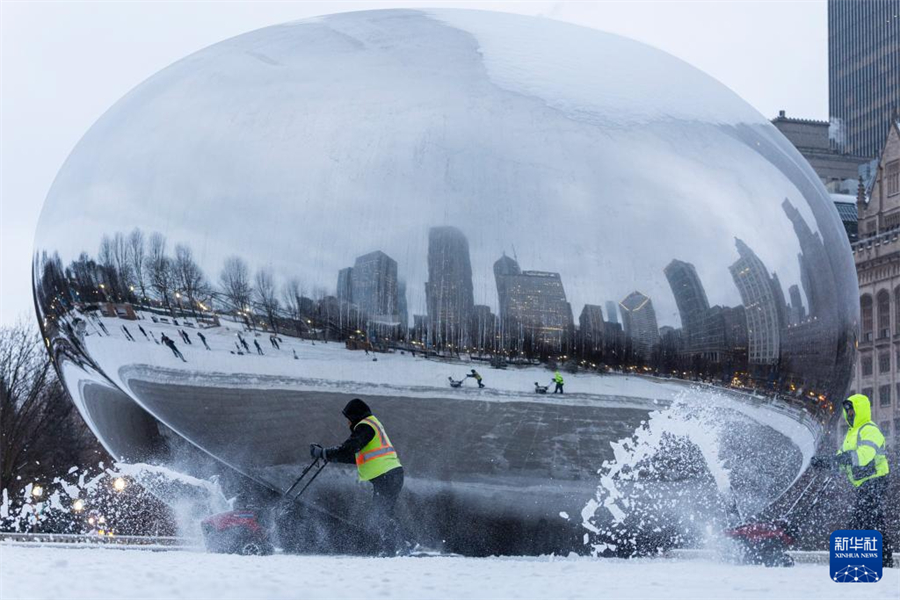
751,342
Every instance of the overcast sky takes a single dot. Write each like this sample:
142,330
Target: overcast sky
63,64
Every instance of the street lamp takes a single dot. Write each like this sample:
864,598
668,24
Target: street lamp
119,484
78,505
37,491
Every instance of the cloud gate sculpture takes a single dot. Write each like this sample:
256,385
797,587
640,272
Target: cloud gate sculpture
374,204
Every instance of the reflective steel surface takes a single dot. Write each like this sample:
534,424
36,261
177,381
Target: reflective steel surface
374,204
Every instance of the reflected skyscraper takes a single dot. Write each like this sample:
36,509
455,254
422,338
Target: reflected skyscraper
484,334
612,313
756,289
690,298
344,285
641,327
533,306
448,291
591,328
813,258
373,286
797,310
402,307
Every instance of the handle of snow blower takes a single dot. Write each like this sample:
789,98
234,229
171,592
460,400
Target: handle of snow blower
315,463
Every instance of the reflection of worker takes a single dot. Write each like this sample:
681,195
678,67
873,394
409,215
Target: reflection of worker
558,380
863,460
376,461
477,377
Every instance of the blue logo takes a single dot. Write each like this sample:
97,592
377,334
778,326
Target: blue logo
856,556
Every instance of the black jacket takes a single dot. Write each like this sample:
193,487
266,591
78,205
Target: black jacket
346,452
355,411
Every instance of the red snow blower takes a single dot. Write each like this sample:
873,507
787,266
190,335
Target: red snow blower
244,531
767,544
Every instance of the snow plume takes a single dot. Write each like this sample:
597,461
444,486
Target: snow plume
87,500
662,482
190,498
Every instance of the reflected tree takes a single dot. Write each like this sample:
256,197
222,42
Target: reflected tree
266,296
159,270
234,281
189,276
137,254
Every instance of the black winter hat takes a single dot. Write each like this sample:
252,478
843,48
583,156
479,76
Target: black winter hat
357,410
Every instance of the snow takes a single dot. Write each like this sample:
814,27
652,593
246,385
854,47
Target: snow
28,571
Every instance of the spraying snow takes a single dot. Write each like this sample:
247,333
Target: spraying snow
679,469
188,497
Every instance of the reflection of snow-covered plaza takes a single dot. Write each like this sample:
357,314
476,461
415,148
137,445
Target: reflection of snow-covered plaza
251,410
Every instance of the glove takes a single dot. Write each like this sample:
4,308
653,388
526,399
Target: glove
843,460
317,451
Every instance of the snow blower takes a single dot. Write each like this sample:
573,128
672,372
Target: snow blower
244,531
767,543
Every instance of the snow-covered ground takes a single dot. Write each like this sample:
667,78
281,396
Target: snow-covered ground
324,366
58,574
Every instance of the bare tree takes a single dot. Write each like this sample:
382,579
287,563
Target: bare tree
137,252
107,262
291,294
40,430
122,261
189,276
235,283
159,269
266,296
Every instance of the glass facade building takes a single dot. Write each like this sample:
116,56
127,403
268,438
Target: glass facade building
863,72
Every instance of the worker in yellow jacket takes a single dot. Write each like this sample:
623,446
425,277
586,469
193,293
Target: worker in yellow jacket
863,460
376,461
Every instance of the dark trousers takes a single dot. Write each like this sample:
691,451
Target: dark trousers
558,389
868,513
386,488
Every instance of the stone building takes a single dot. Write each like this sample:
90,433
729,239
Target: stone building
877,256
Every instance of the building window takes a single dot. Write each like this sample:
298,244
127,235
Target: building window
868,317
867,392
897,310
884,362
866,365
884,314
893,177
885,427
884,395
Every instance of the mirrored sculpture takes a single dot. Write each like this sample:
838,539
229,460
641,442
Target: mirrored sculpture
380,204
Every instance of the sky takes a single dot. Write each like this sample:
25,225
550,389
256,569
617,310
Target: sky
63,64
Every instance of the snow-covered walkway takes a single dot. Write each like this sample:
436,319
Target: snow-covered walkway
59,574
